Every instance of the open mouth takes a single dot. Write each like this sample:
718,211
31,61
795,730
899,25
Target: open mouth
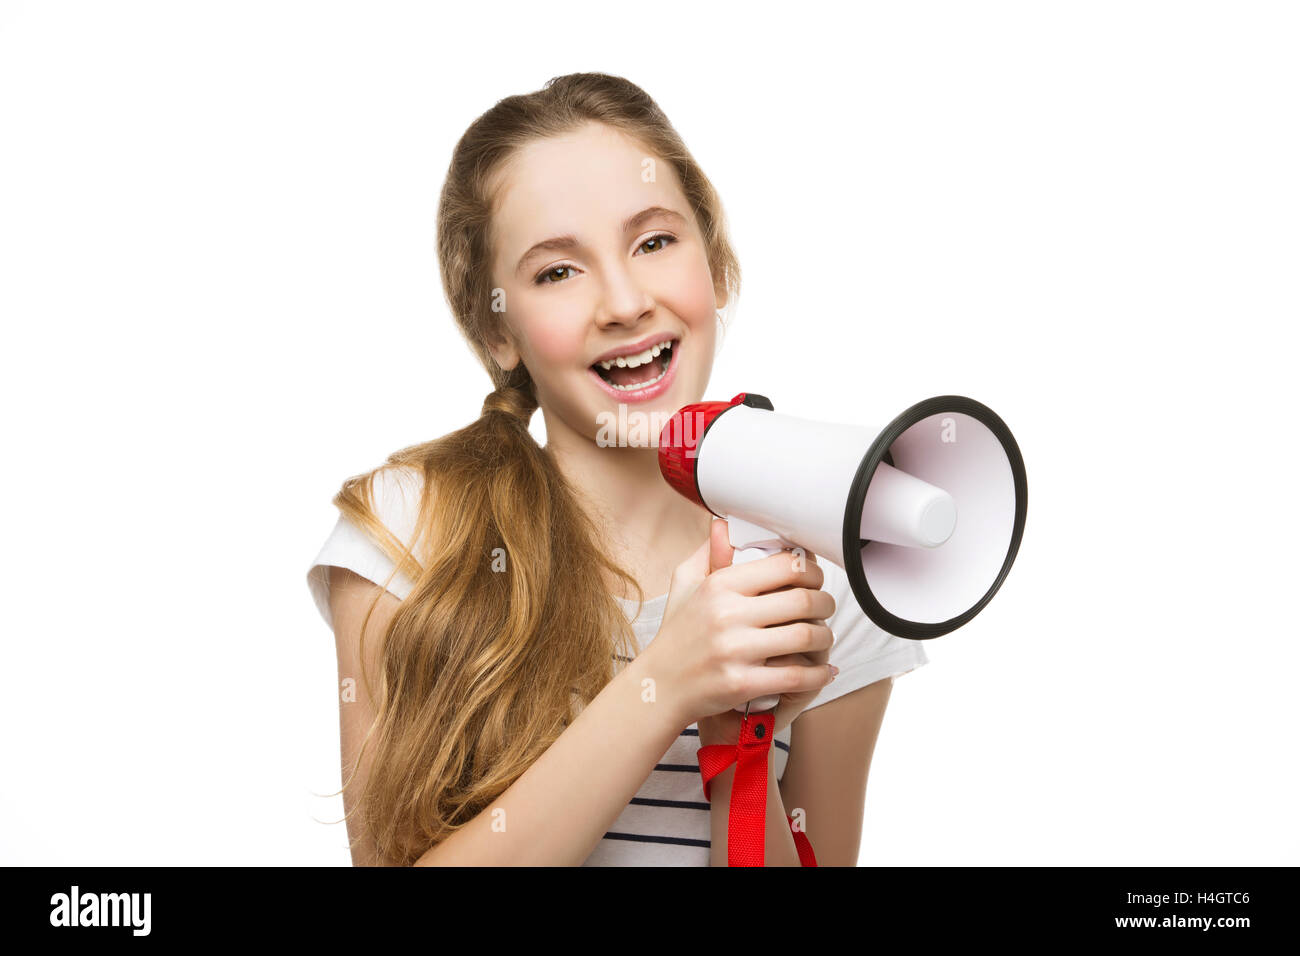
651,367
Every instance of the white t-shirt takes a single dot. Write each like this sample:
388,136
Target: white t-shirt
668,821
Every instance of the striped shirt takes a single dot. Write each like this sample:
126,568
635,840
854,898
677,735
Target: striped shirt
668,822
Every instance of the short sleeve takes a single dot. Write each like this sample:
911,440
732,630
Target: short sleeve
862,651
396,499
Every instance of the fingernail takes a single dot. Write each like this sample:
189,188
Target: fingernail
834,670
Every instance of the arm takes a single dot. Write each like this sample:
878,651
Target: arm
778,848
560,808
778,845
826,773
350,598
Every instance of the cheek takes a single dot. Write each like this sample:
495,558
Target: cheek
556,344
693,297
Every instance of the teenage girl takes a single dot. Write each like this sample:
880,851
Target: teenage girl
509,693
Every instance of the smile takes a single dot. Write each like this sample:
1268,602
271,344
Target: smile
638,377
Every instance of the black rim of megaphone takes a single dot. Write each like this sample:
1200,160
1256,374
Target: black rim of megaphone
852,537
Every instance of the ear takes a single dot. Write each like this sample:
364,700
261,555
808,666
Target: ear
720,297
502,346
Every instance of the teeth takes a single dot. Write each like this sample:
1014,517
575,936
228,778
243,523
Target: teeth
633,388
654,353
633,361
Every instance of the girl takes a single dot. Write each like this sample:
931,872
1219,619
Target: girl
510,695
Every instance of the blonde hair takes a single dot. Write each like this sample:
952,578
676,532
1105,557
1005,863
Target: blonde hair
481,670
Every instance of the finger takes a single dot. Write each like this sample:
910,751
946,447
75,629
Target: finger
771,573
810,657
801,559
800,637
787,605
788,679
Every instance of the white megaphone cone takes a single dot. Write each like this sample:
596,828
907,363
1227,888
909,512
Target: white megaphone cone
925,515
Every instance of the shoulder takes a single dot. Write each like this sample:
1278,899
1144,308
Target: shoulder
394,494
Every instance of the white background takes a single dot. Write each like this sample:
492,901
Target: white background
220,298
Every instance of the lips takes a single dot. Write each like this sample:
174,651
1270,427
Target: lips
647,392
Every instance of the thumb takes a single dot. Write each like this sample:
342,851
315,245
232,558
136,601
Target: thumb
720,549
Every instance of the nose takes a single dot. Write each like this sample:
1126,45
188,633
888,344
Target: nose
624,301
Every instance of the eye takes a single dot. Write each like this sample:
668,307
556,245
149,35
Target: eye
664,240
548,277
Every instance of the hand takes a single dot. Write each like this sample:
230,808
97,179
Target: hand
734,633
724,727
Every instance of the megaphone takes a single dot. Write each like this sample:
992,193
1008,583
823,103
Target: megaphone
925,515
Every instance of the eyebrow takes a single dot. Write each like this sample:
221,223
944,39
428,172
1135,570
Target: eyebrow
562,243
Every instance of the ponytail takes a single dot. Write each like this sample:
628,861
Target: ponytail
512,402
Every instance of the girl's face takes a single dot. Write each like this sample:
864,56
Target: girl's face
596,251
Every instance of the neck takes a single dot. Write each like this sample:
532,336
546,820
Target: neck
647,526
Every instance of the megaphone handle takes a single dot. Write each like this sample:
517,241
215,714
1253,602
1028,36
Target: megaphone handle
746,533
